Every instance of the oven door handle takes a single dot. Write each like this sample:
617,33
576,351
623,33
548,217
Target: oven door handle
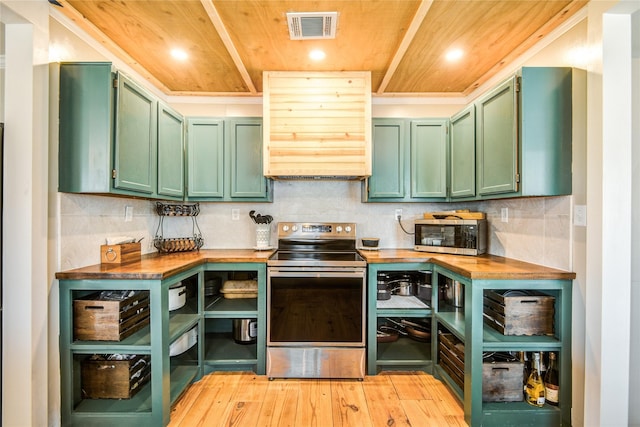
298,273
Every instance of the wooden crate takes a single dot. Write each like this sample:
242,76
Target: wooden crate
114,379
514,313
451,357
96,319
502,381
120,254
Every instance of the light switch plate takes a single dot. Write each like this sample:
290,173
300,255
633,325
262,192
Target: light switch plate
235,214
504,215
580,215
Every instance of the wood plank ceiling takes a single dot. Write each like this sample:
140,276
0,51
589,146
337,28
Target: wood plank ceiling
402,42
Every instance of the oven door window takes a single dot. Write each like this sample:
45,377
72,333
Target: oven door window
316,310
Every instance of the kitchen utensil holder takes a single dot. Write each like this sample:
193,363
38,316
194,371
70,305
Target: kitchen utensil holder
263,234
178,244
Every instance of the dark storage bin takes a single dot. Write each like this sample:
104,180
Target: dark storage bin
104,378
502,381
516,312
102,317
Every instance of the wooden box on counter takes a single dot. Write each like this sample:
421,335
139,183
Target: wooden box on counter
99,319
120,254
114,379
516,312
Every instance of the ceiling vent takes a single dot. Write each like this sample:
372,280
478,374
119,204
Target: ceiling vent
312,25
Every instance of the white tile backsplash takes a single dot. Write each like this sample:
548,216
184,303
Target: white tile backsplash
538,230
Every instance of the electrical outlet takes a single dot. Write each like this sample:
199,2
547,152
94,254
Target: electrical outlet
128,213
235,214
504,213
398,213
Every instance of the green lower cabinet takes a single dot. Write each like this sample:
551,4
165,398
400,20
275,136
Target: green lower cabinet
469,326
180,343
405,353
224,160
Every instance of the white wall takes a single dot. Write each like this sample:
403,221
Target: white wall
25,275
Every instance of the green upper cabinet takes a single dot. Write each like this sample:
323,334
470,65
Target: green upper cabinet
462,141
525,129
136,144
245,160
388,148
170,152
224,160
497,140
429,158
553,106
86,109
110,134
409,161
205,158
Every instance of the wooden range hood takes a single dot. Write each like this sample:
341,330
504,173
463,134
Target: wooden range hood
317,125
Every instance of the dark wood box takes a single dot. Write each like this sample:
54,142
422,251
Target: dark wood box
519,312
96,319
114,379
451,357
502,381
120,254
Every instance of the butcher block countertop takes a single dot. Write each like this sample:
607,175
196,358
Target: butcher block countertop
161,266
473,267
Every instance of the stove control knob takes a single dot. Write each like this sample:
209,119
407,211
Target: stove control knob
339,229
294,228
347,229
285,228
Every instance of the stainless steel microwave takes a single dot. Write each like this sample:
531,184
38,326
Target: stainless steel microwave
451,236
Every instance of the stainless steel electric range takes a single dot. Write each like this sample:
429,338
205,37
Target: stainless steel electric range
316,313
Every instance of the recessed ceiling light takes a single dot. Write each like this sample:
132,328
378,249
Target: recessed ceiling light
179,54
454,55
317,55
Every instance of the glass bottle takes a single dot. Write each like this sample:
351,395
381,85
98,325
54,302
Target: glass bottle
552,382
535,386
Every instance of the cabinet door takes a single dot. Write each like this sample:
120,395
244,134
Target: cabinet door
205,158
387,177
463,153
170,152
497,134
245,147
429,158
86,131
135,138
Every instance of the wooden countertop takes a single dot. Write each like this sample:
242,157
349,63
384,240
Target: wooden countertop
160,266
473,267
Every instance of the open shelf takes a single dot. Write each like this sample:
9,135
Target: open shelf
221,346
453,321
223,307
404,350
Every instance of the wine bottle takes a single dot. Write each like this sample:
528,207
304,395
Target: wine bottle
535,385
552,382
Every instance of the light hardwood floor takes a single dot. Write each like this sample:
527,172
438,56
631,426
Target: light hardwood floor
244,399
